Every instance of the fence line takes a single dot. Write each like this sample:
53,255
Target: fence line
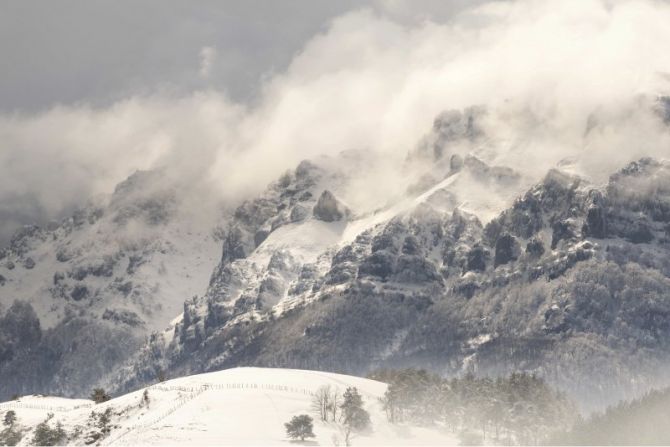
194,391
197,391
234,386
60,409
180,403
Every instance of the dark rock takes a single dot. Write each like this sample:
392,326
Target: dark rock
415,269
341,273
306,277
79,293
299,213
411,246
153,210
476,259
385,241
466,289
253,214
134,262
595,225
260,236
58,277
20,241
278,221
103,268
245,303
535,248
79,273
507,250
123,316
124,287
64,255
562,230
345,254
271,290
237,244
305,196
380,264
281,261
329,209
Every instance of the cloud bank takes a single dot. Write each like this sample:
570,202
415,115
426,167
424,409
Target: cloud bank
570,79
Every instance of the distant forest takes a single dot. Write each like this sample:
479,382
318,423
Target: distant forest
520,409
644,421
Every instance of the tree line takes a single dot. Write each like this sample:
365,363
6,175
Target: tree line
518,409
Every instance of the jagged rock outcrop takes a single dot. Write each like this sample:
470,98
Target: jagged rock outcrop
329,209
507,249
538,284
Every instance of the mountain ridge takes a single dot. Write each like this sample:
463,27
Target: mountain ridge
396,266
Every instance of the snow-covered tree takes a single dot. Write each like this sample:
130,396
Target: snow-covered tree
10,418
300,427
353,413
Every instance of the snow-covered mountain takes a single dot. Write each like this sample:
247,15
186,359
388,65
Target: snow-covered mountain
241,406
570,281
462,265
93,286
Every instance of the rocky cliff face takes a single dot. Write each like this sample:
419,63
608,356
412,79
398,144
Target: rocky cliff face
472,269
570,281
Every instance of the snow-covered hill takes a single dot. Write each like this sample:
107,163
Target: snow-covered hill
241,406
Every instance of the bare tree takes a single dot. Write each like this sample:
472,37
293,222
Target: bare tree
321,402
334,403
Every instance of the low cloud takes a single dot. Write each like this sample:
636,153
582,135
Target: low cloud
572,79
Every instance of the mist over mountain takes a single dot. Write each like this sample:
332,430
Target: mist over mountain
551,76
474,189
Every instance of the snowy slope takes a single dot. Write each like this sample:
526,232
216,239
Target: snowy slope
97,284
241,406
134,252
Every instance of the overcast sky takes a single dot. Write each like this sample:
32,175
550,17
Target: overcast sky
66,51
230,94
78,54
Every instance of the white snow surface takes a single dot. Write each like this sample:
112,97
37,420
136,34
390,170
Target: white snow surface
179,258
240,406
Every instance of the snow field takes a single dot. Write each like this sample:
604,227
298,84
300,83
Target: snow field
241,406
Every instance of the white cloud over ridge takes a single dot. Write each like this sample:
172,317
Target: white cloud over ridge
559,79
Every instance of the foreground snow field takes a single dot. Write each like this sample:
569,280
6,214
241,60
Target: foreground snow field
241,406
